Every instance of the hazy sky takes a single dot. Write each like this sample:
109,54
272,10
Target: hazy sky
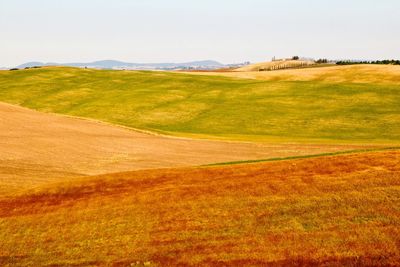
184,30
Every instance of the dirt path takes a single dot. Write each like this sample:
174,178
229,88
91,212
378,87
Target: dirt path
37,148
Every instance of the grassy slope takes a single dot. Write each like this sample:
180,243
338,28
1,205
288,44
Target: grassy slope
342,210
193,105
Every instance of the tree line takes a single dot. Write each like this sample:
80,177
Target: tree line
378,62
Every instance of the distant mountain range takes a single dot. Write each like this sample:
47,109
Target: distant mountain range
114,64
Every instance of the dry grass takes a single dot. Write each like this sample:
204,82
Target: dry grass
336,74
38,148
332,211
280,64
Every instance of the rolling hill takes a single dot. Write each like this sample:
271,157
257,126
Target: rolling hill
360,106
65,202
38,148
276,65
365,74
331,211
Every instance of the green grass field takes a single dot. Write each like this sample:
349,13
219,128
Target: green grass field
213,106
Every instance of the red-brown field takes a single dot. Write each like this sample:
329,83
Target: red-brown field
331,211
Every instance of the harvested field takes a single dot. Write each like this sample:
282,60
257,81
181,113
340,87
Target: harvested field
331,211
37,148
276,65
333,74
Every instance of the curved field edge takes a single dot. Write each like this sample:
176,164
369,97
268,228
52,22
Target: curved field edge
336,210
355,151
39,148
216,107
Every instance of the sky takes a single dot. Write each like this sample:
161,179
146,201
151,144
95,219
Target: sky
229,31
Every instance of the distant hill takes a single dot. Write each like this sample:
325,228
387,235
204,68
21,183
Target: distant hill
114,64
276,65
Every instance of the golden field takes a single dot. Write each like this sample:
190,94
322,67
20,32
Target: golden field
39,148
363,74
